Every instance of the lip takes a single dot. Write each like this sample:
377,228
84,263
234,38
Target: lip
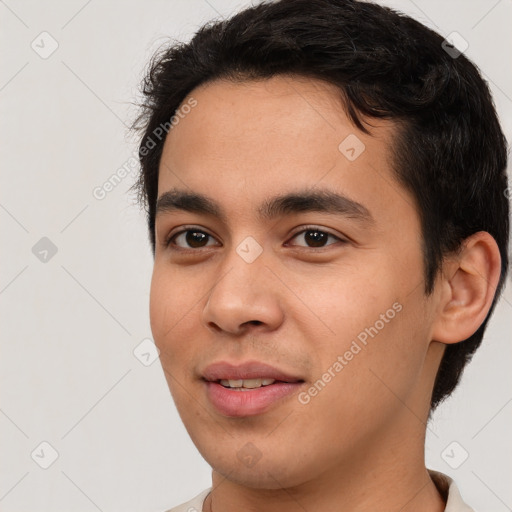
247,370
233,403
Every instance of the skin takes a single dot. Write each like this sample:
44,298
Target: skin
360,441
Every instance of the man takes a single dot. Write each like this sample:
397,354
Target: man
324,182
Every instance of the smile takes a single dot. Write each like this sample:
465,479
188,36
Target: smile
243,384
247,389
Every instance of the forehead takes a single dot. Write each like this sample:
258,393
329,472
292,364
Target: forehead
293,116
254,139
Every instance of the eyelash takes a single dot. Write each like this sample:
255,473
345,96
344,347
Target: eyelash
168,242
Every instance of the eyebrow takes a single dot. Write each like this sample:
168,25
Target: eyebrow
320,200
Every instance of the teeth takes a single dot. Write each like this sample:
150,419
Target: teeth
247,383
252,383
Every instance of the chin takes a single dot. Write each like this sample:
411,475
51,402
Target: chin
251,469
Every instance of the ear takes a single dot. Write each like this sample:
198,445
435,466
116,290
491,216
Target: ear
467,288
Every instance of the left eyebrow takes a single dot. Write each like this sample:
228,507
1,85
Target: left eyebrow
320,200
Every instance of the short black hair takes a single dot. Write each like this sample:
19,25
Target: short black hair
449,150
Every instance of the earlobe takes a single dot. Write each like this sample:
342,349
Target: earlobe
468,285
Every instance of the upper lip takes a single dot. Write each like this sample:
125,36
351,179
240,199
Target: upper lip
249,370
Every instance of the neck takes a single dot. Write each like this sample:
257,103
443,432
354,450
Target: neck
386,476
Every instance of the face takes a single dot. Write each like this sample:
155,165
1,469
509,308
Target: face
320,294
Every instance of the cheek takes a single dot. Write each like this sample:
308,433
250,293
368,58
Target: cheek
374,324
168,315
175,320
168,306
160,302
347,303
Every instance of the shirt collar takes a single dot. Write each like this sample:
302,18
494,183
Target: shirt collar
445,485
450,492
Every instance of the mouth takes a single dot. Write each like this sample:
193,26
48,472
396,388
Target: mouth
246,384
247,389
251,373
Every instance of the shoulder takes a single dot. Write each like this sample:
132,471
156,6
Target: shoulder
194,505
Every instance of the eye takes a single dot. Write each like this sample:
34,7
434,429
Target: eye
195,239
316,237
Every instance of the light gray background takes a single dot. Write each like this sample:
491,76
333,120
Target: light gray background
70,324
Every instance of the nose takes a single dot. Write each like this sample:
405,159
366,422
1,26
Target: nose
245,295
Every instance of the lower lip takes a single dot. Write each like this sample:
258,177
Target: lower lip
231,402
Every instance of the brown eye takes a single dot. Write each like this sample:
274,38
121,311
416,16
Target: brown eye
192,238
315,237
